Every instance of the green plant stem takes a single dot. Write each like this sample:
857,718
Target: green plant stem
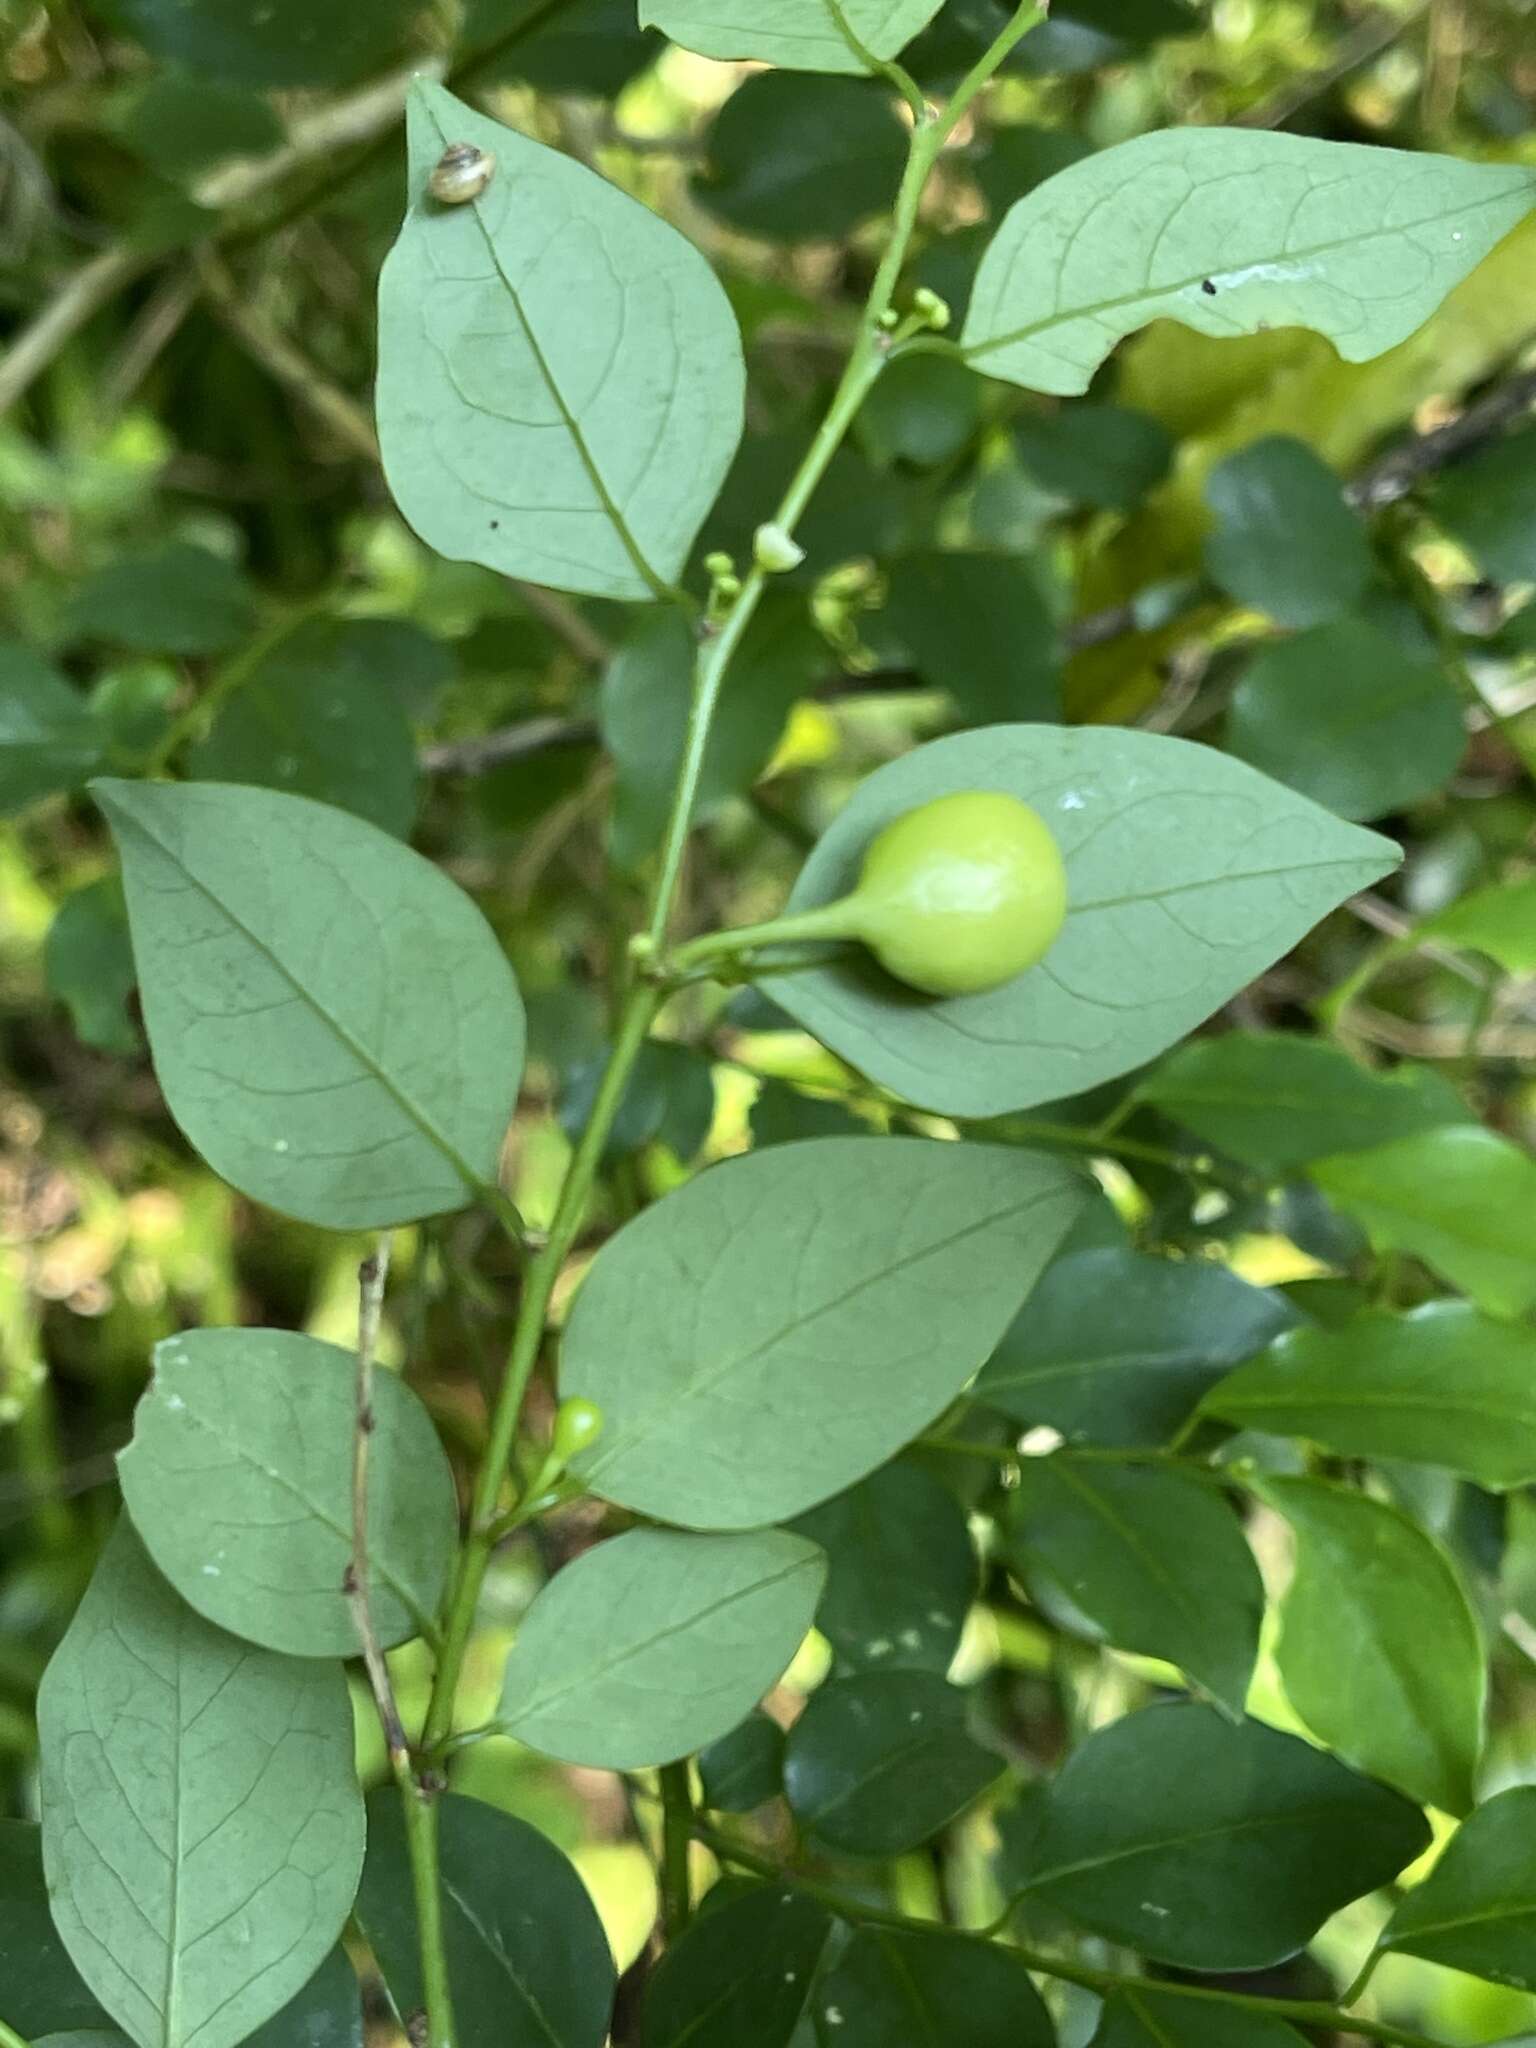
865,362
9,2038
192,723
676,1843
426,1887
1356,1990
1303,2012
640,1005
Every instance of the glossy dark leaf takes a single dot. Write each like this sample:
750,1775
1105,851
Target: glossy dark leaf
742,1975
1138,2017
745,1768
879,1763
41,1991
1117,1348
1213,1845
901,1571
172,599
1476,1910
892,1988
1155,1560
527,1956
977,626
798,159
1284,541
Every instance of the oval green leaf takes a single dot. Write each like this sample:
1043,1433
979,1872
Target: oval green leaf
1116,1348
239,1481
1231,232
1187,874
901,1571
879,1763
1370,1590
893,1987
333,1023
1461,1198
778,1327
745,1768
1213,1845
202,1826
800,35
742,1974
1441,1386
1139,2018
1156,1561
1476,1910
560,375
653,1644
527,1957
49,740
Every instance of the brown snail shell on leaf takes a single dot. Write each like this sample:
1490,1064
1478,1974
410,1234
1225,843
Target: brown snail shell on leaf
461,173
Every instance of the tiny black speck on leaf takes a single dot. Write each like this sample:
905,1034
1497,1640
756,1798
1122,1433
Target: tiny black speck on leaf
1208,288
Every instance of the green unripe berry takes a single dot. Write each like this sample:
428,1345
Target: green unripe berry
961,894
578,1425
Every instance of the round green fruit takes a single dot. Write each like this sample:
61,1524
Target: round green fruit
953,898
962,894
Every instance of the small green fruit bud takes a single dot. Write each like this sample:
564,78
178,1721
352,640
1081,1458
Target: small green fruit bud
775,550
578,1425
931,308
718,564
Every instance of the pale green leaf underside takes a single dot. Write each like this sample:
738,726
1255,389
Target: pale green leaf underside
333,1023
778,1327
202,1825
1188,874
800,35
650,1646
560,374
239,1481
1231,232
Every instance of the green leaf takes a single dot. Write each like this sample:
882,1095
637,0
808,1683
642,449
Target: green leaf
588,47
775,1329
1116,1348
1476,1910
533,346
1187,874
1231,232
1348,717
527,1957
1095,454
1156,1561
88,961
744,1769
333,1023
902,1571
1499,921
879,1763
1284,541
1277,1101
48,739
643,712
280,43
181,124
922,410
801,35
654,1643
794,159
741,1975
1371,1588
891,1988
669,1099
1213,1845
1442,1385
41,1991
1489,504
171,599
1462,1199
202,1826
317,719
977,626
1140,2018
239,1481
328,2012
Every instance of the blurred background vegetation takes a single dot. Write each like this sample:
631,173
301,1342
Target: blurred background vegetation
194,202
